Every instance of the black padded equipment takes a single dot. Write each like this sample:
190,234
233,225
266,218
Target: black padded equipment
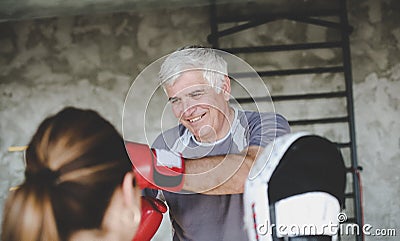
311,163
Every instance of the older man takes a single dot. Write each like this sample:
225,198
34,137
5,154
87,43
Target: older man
219,144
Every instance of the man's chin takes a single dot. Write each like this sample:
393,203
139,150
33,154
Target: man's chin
206,136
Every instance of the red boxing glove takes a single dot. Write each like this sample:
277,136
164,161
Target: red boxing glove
156,168
152,214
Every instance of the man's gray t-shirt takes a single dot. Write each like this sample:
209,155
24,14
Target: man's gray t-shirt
202,217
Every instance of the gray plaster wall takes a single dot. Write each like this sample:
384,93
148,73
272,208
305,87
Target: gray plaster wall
91,61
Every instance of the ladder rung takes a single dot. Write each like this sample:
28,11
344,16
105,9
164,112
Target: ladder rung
284,47
343,144
319,121
290,97
352,169
323,23
309,96
238,28
315,21
349,195
233,18
350,220
317,70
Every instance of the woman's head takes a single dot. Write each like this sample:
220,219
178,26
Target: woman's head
76,161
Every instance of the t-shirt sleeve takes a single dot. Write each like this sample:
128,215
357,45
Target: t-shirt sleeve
159,142
265,127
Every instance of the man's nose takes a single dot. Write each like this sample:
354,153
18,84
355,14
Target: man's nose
188,106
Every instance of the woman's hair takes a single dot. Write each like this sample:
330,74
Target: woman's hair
208,60
75,161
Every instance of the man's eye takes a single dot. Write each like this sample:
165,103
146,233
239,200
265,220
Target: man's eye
174,100
197,94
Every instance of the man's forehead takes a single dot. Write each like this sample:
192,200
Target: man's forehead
189,89
187,82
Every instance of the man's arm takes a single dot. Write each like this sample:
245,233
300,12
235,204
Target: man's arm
219,175
161,168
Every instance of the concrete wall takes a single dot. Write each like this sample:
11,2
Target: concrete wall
91,61
376,63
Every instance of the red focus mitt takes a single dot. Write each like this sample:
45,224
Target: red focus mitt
156,168
152,214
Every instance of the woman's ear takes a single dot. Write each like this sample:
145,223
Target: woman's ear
131,197
131,201
226,88
127,189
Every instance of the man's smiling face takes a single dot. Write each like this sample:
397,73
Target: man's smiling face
199,107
